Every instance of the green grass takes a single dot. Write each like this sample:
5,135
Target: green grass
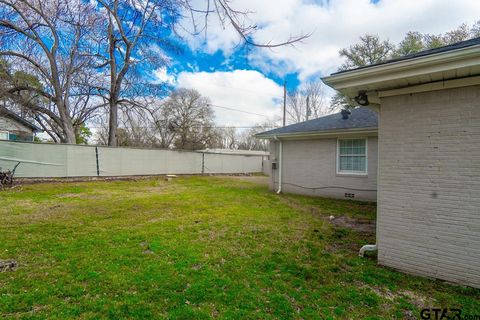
197,248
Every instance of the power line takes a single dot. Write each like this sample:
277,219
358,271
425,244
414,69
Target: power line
217,127
237,110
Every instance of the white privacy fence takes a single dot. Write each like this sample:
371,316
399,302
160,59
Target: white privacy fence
61,160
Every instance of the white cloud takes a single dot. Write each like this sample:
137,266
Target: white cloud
334,25
246,90
162,76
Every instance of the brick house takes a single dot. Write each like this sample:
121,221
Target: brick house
15,128
428,216
332,156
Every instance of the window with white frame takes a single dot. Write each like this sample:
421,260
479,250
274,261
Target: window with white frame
352,156
4,135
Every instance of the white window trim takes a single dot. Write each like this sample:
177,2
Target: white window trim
355,173
8,134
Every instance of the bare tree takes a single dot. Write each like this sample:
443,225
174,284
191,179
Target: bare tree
135,129
229,138
475,30
248,141
126,48
190,118
46,39
244,139
463,32
184,120
228,16
308,102
133,27
60,41
164,125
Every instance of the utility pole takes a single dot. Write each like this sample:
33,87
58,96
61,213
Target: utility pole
284,101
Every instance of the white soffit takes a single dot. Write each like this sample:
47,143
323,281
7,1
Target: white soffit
454,64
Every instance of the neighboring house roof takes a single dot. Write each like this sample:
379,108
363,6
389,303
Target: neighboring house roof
237,152
9,114
446,67
360,119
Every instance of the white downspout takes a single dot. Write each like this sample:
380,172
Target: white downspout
280,162
368,247
373,247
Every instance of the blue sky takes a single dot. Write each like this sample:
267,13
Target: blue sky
197,60
251,79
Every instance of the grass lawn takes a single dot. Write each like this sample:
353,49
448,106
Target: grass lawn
197,248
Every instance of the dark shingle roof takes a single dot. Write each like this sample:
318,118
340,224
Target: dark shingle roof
360,118
9,114
451,47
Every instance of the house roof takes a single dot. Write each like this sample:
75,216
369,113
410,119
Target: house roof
9,114
238,152
454,46
360,118
435,67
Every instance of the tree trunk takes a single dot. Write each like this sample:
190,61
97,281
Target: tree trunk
67,125
69,134
112,124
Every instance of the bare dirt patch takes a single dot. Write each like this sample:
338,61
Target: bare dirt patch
360,225
418,299
8,265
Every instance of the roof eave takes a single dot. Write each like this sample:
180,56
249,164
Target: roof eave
309,134
25,123
9,114
377,77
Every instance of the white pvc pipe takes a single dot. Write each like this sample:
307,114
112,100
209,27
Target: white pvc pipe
368,247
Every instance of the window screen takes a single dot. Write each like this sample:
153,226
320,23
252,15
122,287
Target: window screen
3,135
352,155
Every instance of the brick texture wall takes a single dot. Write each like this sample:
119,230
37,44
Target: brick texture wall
312,164
11,125
16,129
429,184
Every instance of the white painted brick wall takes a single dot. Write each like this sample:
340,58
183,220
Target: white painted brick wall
8,124
312,163
429,184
